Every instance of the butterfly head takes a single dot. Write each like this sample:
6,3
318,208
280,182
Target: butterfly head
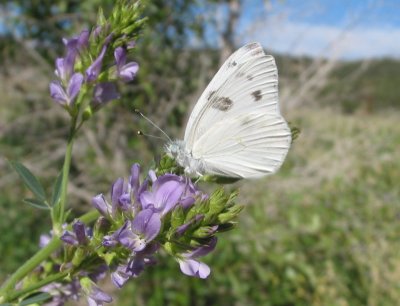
177,150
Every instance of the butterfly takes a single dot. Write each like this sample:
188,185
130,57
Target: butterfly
235,129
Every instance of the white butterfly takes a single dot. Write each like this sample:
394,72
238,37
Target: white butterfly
236,129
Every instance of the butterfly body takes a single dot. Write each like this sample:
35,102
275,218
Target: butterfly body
236,129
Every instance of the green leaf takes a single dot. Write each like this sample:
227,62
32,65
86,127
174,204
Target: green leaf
36,203
41,297
55,197
29,179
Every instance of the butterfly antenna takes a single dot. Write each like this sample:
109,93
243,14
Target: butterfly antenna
153,124
140,133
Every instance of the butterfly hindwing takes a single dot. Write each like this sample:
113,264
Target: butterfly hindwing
245,146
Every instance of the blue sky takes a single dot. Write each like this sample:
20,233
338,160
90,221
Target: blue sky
352,29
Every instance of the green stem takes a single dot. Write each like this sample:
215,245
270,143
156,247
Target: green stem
38,285
7,289
27,267
65,174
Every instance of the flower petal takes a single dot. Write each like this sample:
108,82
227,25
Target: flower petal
147,223
146,199
203,250
120,276
100,203
194,268
69,238
131,240
120,57
74,85
117,190
95,68
103,93
128,72
99,296
58,93
134,179
80,232
168,189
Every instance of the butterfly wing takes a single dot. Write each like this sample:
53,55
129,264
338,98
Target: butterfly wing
248,145
236,129
248,75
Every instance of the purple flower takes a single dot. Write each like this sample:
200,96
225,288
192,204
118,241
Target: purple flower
183,228
113,239
166,193
134,179
135,265
126,72
61,293
67,97
120,196
103,93
190,266
190,195
194,268
44,240
74,45
79,235
100,203
98,297
144,228
95,68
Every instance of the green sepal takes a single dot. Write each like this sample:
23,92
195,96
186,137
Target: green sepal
79,256
109,257
101,19
177,217
101,227
203,232
231,214
226,227
295,131
168,165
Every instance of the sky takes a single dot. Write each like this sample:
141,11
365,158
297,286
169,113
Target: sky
352,29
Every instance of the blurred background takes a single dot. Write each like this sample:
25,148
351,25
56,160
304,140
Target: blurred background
324,231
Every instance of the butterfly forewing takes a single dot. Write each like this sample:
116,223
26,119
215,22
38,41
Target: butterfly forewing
211,100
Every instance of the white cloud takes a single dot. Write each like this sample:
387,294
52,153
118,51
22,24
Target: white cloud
299,38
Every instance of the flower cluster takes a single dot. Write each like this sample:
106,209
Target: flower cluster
162,212
95,60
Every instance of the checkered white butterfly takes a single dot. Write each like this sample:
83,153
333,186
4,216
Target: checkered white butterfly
236,129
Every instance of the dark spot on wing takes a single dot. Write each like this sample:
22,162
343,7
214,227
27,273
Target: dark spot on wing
232,64
257,52
222,103
210,95
252,46
257,95
249,77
